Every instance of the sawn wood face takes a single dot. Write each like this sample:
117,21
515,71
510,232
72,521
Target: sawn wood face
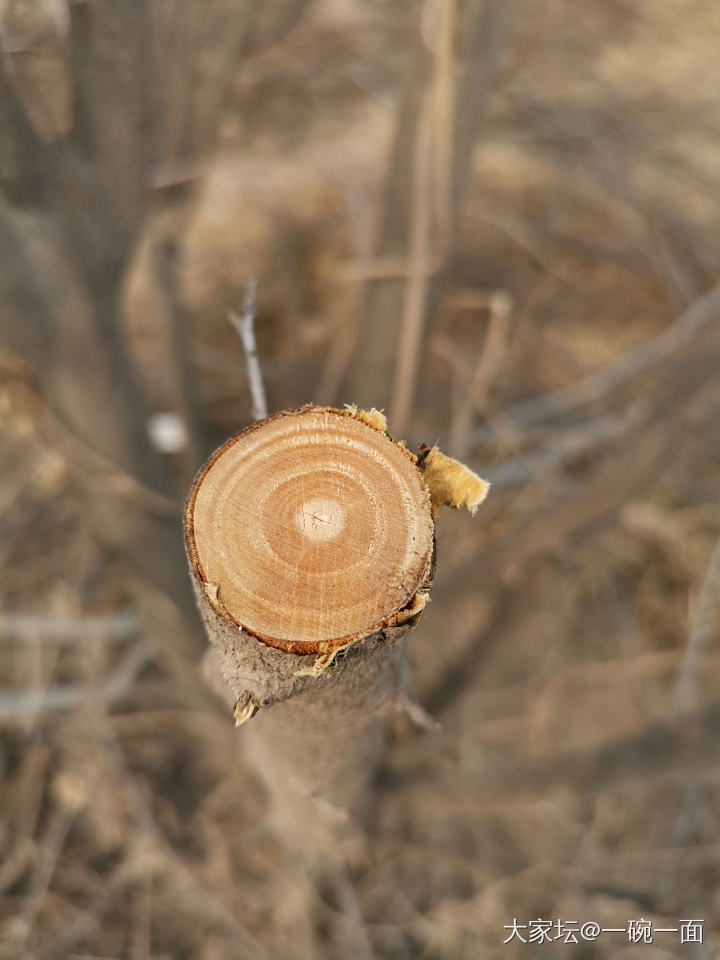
313,525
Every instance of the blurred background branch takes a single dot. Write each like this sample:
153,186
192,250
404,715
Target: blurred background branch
499,222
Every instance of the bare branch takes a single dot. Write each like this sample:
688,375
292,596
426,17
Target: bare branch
551,458
477,390
596,385
415,713
47,627
345,338
28,701
244,324
700,633
416,288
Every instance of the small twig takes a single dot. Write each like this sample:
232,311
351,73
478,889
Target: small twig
530,240
478,388
700,632
529,48
344,340
596,385
54,629
384,268
415,713
27,701
49,850
152,854
518,470
406,705
356,932
443,108
93,462
416,289
244,324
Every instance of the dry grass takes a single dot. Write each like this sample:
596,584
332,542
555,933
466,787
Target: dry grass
571,649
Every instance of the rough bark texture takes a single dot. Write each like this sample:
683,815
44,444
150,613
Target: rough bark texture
255,673
318,719
317,750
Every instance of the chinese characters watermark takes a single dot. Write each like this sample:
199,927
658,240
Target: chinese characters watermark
572,931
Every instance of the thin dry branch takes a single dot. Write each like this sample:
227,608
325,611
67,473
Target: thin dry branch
345,338
549,459
29,701
531,46
150,853
356,934
428,97
49,850
54,629
700,633
634,461
93,462
598,384
244,324
476,394
443,118
416,290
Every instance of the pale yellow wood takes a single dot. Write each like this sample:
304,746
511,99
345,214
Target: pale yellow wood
309,527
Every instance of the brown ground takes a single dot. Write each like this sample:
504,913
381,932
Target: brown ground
571,649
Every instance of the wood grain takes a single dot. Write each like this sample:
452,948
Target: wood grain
313,525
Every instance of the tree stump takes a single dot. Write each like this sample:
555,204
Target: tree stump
310,538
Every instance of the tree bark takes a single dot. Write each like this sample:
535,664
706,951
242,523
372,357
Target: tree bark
310,539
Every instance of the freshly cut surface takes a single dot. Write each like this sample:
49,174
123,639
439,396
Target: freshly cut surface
313,525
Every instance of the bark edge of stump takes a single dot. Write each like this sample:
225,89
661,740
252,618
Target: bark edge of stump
259,669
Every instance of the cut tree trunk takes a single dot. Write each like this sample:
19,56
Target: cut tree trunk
310,538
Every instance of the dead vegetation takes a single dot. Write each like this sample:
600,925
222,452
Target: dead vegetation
556,322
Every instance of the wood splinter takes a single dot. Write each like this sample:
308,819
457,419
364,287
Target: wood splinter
310,538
